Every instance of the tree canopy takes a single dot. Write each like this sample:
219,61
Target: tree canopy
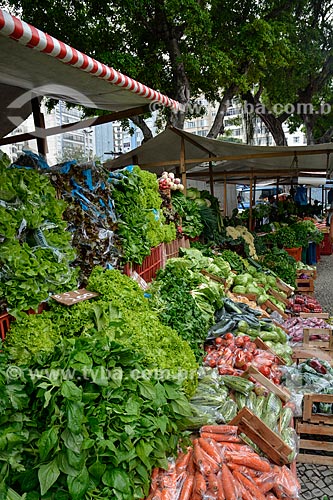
265,52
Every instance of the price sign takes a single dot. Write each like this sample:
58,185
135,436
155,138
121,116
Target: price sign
70,298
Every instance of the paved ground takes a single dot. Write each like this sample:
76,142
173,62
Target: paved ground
317,480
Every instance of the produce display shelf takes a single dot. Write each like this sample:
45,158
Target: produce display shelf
316,432
255,374
284,287
301,354
269,306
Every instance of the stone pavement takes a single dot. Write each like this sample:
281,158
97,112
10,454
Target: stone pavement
317,480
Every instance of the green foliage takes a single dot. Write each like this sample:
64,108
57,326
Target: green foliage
87,422
35,249
286,237
282,264
301,233
186,300
189,211
122,313
142,224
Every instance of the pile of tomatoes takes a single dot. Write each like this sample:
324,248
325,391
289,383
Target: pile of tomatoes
232,355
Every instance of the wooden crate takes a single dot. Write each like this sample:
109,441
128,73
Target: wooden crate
283,394
312,273
284,287
314,315
268,441
305,286
269,305
323,344
315,425
302,353
261,345
213,277
279,297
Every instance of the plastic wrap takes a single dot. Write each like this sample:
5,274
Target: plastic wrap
287,486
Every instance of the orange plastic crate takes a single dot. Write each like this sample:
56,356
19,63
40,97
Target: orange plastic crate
149,267
4,325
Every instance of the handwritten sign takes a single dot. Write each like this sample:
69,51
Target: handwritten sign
70,298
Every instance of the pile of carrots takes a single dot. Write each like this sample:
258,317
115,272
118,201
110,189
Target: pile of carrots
220,467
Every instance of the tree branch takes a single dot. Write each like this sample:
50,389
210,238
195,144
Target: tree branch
139,122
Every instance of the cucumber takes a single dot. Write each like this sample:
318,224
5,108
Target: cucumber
285,418
240,400
238,384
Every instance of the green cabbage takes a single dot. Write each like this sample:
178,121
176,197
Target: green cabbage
239,289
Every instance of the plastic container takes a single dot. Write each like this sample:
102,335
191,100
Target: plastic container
4,325
295,252
311,254
326,245
304,255
318,253
149,267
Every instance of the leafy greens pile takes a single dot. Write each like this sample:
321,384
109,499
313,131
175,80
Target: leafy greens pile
35,249
142,225
121,313
185,299
82,424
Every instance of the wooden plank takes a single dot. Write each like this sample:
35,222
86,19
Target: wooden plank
269,305
268,441
302,458
304,353
305,285
284,287
312,273
259,377
311,444
213,277
279,297
314,315
261,345
315,429
307,332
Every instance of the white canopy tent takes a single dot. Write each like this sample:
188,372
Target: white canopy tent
34,64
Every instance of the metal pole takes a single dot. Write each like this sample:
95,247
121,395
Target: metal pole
225,196
211,178
251,198
182,163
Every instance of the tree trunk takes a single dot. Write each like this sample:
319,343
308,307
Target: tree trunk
327,137
309,122
218,125
139,122
273,124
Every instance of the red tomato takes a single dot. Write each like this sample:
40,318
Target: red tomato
218,340
240,360
239,341
249,357
246,338
212,363
229,336
265,371
276,380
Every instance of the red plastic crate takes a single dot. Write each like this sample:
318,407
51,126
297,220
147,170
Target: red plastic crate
151,264
5,320
326,245
318,252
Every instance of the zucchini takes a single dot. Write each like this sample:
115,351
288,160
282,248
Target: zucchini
230,306
238,384
240,400
261,400
229,410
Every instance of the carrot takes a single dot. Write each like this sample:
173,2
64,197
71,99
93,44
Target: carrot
213,482
220,429
252,461
199,483
191,467
154,480
157,495
243,470
240,448
266,481
249,485
187,489
210,495
196,496
229,484
271,496
220,491
209,447
183,461
213,465
246,495
200,459
231,438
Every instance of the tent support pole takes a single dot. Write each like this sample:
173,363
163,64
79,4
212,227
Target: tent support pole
322,198
254,190
211,178
39,124
277,188
225,197
182,163
251,200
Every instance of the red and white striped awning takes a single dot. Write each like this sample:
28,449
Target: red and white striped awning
32,61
